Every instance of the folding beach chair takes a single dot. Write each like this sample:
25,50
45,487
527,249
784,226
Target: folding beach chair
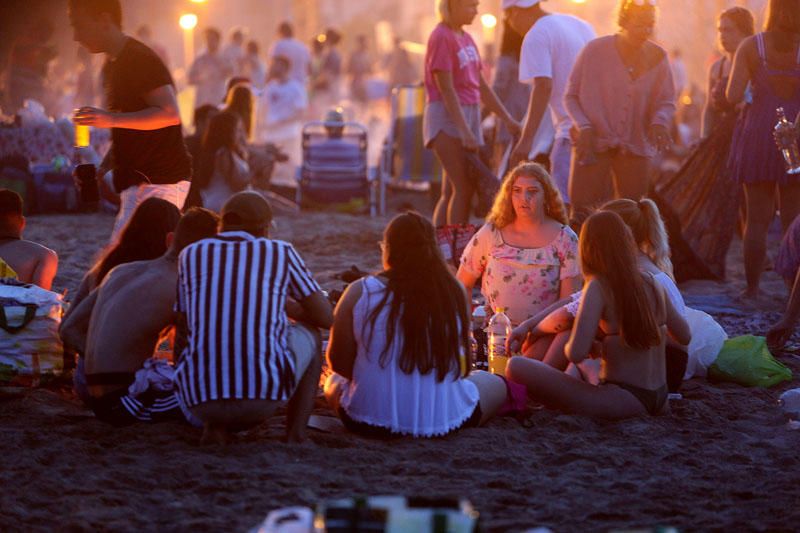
334,169
405,162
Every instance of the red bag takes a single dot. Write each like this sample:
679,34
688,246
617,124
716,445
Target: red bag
452,240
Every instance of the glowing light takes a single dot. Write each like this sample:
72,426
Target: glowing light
579,1
488,20
321,38
198,1
686,99
188,21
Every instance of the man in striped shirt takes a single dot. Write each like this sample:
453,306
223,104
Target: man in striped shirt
242,356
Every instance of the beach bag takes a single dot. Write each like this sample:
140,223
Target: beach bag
14,175
746,360
56,192
31,351
453,239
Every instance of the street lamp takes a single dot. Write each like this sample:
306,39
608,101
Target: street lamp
489,23
188,22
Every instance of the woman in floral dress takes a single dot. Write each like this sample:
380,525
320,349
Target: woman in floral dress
526,254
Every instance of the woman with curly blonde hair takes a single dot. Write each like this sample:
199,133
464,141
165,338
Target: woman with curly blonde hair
525,253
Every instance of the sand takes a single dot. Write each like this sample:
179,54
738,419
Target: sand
724,459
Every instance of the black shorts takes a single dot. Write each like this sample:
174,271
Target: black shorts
379,432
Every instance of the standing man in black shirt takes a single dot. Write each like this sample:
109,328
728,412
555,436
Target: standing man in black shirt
147,156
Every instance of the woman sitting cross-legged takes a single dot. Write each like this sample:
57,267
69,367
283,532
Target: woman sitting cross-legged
630,313
525,254
399,345
653,256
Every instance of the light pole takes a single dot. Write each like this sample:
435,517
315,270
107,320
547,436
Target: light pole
188,22
489,23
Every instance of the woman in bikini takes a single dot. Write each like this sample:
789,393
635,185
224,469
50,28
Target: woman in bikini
621,98
770,63
629,313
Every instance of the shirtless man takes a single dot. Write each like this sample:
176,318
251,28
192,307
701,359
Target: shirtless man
31,262
118,325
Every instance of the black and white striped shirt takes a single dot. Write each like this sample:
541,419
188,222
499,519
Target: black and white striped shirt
233,290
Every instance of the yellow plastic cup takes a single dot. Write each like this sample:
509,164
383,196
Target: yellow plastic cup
81,136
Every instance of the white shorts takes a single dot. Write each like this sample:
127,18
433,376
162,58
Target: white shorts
131,197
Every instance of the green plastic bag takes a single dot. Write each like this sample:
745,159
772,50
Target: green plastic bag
746,360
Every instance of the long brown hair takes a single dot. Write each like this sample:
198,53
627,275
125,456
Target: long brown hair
502,213
143,237
742,18
428,309
608,252
221,133
649,232
240,101
783,16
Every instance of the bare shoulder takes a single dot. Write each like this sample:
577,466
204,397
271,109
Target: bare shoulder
748,47
351,294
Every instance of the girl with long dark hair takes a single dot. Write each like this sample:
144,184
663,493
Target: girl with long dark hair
143,238
632,313
223,168
399,345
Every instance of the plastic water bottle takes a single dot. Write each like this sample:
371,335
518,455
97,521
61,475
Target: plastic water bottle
786,136
478,339
499,330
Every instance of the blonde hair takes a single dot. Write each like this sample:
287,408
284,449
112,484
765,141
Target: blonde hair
502,213
629,8
644,219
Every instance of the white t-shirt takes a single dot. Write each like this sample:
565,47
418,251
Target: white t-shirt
298,55
234,54
284,101
209,73
548,51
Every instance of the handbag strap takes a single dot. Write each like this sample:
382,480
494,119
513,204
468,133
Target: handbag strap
30,314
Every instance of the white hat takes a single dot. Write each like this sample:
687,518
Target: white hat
507,4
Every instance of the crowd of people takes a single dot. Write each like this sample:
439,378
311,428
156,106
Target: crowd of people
573,250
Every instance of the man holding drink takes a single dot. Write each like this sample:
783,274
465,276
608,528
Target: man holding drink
147,156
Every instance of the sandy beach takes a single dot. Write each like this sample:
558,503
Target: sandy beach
723,460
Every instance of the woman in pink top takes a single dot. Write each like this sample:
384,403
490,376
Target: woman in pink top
455,88
621,99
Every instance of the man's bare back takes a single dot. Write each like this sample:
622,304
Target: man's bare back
32,262
134,304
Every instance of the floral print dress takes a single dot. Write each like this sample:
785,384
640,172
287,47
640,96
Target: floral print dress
522,280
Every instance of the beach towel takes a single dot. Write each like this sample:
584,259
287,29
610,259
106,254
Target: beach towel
30,347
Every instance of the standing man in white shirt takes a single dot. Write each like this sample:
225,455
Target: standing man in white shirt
551,45
234,51
210,71
294,50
